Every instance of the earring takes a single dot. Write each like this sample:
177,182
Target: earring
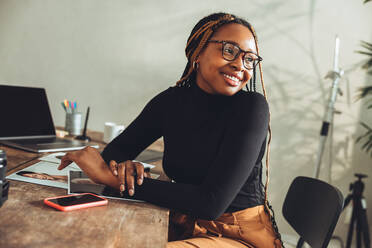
195,65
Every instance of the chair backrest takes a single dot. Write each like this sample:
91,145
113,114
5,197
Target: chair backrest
312,207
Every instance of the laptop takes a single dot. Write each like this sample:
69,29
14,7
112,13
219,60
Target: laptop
26,121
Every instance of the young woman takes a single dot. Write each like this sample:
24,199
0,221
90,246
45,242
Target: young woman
214,140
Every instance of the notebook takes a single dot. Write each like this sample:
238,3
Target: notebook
26,121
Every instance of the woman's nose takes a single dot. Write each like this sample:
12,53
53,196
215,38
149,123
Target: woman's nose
237,63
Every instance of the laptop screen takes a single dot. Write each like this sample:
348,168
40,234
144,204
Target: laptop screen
24,112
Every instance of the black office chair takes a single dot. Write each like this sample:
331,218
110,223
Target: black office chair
312,207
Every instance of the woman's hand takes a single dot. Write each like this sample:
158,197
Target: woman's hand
127,172
91,162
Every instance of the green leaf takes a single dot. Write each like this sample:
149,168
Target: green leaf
363,136
366,1
364,91
366,134
367,65
369,147
366,145
366,126
365,53
366,45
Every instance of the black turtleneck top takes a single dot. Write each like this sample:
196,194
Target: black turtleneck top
213,147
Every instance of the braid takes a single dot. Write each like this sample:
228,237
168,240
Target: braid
196,42
268,208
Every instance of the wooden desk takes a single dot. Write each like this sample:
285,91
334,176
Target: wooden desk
26,222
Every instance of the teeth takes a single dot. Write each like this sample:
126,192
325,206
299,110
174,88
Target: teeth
232,77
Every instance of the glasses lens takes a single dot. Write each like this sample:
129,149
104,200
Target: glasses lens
250,60
230,51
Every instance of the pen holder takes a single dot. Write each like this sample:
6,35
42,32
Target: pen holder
73,123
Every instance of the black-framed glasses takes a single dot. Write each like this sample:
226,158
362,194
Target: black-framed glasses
231,51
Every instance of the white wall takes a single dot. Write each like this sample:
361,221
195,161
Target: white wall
115,55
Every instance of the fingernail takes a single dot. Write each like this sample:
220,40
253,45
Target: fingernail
140,181
122,188
131,192
115,172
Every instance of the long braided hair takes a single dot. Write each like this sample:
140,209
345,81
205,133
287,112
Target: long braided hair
196,43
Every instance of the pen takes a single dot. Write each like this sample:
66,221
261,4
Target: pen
69,106
75,106
63,106
66,106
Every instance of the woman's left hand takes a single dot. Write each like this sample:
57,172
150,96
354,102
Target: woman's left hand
92,163
128,172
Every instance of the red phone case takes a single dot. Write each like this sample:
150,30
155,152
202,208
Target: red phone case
102,201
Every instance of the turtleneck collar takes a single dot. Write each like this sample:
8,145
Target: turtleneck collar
198,92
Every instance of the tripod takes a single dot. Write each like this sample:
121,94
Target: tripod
359,214
335,75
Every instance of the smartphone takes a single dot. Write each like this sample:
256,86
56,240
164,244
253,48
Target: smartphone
76,201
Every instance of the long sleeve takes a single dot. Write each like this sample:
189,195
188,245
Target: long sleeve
242,131
236,157
141,133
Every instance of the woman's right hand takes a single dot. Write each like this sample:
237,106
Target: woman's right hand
91,162
127,172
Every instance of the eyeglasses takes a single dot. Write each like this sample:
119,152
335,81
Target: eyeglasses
231,51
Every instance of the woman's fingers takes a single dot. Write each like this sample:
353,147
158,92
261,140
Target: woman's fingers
65,161
140,172
121,175
114,167
130,174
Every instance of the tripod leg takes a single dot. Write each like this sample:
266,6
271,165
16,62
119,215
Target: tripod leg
351,227
358,232
364,224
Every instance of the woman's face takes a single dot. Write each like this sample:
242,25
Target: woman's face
216,75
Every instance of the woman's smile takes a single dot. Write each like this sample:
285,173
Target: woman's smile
232,80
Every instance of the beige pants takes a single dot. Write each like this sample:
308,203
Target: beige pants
250,227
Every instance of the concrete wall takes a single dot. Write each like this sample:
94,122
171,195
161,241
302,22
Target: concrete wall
115,55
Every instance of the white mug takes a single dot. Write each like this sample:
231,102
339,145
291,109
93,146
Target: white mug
111,131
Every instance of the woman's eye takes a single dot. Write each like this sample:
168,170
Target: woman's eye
229,50
249,59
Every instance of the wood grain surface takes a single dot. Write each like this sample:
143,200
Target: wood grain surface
25,221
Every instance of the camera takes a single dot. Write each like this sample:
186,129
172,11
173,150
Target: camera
4,184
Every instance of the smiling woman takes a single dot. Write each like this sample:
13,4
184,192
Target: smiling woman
226,74
214,141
